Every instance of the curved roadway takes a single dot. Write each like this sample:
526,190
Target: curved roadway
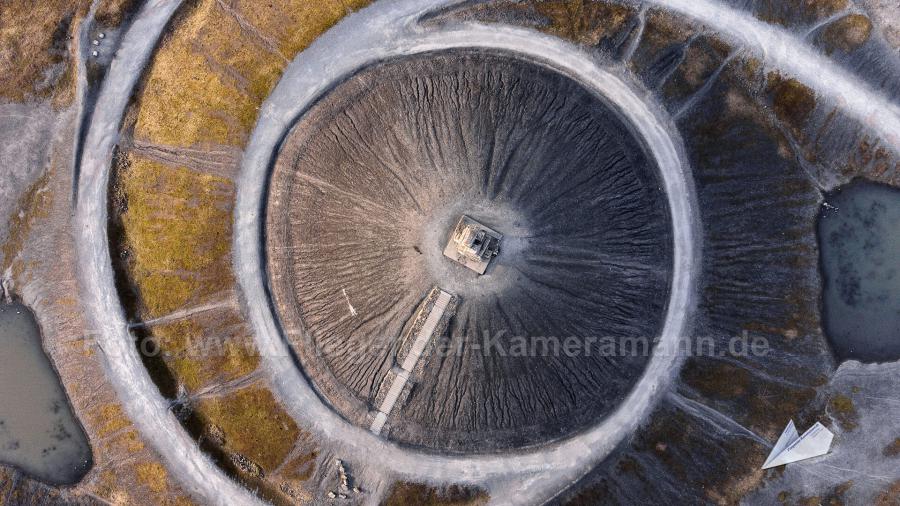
388,30
139,396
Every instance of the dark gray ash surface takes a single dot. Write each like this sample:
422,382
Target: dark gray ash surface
368,186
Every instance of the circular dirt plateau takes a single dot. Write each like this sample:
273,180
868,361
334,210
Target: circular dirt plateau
364,195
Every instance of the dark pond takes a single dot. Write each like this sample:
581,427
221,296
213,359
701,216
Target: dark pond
38,432
859,240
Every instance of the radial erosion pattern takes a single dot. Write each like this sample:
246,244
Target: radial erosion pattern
366,190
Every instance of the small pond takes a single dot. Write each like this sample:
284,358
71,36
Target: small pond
859,241
38,432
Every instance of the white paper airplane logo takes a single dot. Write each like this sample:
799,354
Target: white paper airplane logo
792,447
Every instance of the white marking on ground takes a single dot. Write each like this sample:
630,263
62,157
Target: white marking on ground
353,311
389,401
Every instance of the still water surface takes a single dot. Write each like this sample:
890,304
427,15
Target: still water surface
38,432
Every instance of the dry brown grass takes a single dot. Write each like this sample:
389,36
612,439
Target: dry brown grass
254,424
584,22
418,494
153,476
807,11
113,12
847,33
890,496
200,353
206,82
294,24
793,101
841,407
178,232
221,61
893,449
34,205
35,61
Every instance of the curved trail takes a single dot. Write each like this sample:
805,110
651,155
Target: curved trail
386,30
793,55
139,395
